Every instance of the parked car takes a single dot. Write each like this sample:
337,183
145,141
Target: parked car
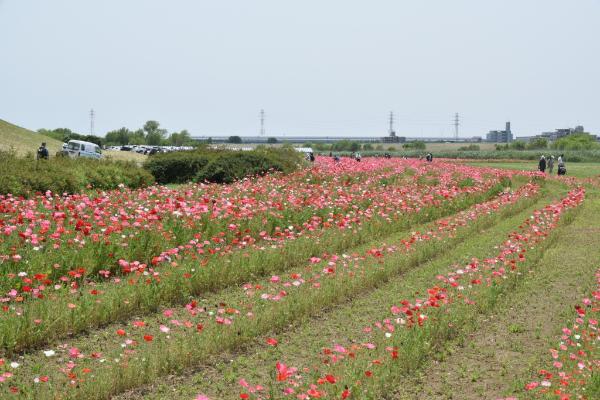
79,148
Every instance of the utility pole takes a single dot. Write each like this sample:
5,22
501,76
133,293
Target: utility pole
391,123
456,124
92,115
262,122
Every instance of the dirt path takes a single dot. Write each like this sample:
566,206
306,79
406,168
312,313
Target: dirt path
498,359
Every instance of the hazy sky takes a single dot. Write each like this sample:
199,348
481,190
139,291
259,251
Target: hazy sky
326,67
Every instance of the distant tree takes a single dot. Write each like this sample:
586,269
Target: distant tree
471,147
180,139
93,139
234,139
518,145
391,148
537,143
154,134
137,137
367,147
209,140
416,145
379,147
119,137
576,141
272,140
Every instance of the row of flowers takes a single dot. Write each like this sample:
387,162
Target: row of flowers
359,369
63,242
204,324
576,359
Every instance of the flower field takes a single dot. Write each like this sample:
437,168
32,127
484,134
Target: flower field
197,291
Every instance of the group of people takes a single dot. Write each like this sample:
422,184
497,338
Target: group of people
549,163
336,158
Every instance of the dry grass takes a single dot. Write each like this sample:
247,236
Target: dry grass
125,156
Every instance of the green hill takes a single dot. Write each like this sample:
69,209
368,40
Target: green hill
23,140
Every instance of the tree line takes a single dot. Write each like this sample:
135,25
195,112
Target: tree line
150,134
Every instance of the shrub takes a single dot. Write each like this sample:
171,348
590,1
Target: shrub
416,145
26,176
578,141
178,167
221,166
471,147
229,166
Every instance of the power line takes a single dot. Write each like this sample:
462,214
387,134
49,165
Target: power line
456,124
92,115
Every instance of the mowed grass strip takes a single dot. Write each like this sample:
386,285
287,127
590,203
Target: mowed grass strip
578,170
511,344
64,314
300,342
150,362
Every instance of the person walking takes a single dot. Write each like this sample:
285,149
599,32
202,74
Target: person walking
542,164
42,152
550,164
562,170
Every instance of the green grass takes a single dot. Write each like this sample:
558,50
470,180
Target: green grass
189,349
579,170
302,342
24,141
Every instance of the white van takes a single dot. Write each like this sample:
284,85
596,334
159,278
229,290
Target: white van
79,148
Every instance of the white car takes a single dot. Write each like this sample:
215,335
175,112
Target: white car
79,148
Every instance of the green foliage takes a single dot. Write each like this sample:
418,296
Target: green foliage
471,147
177,167
65,134
272,140
345,145
154,134
181,138
577,141
518,145
229,166
416,145
26,176
367,146
537,143
234,139
221,166
118,137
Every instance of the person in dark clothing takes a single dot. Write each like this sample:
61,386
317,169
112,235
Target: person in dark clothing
562,170
429,157
542,164
42,152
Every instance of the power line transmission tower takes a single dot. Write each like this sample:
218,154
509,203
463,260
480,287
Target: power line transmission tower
262,122
456,124
391,123
92,116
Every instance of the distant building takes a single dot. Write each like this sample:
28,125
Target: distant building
392,138
504,136
560,133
